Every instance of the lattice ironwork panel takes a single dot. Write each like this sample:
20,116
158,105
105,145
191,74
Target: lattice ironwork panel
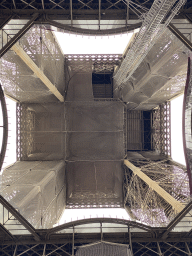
40,132
25,120
94,200
161,129
98,63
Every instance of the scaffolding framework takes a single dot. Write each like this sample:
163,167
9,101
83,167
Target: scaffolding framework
155,191
150,30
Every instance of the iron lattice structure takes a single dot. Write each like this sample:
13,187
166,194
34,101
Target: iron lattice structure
60,249
145,203
101,63
79,9
161,129
66,239
24,140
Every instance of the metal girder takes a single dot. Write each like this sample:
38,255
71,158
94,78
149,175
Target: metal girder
177,219
63,14
61,9
179,35
71,11
152,184
37,71
13,40
99,14
6,232
20,218
5,21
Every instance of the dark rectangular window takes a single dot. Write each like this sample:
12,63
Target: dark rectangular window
102,85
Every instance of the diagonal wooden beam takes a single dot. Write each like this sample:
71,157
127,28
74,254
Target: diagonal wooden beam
37,71
153,184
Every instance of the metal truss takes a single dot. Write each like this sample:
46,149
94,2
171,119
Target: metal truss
48,11
72,9
162,248
138,248
161,129
65,239
148,198
18,237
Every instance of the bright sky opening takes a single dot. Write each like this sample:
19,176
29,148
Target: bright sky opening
80,214
80,44
10,156
177,152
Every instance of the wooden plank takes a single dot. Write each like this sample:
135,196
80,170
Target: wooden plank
178,206
37,71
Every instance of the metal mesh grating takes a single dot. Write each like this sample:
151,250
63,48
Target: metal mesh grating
161,129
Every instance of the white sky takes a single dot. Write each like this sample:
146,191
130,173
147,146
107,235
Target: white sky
80,44
79,214
177,153
10,156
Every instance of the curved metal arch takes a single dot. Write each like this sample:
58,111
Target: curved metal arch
187,158
5,127
101,220
91,31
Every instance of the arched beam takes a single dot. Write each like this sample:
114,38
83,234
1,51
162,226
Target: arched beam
100,220
81,31
5,127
